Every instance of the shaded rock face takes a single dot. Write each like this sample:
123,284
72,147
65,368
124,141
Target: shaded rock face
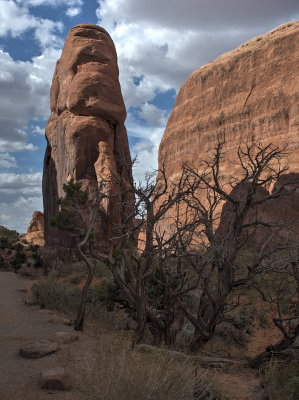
283,212
36,228
86,136
249,93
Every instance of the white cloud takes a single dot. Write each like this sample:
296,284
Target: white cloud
24,95
38,130
199,14
16,19
147,138
153,115
17,215
20,195
73,12
19,181
7,161
74,7
16,146
52,3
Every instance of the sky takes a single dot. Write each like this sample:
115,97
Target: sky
159,43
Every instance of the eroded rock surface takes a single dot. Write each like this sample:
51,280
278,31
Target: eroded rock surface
35,232
252,91
86,136
249,93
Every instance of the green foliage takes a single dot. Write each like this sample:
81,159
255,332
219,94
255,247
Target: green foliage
52,294
19,259
9,234
18,247
5,243
281,381
8,237
69,217
74,193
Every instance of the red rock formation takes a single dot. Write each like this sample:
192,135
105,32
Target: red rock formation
36,228
252,91
86,136
249,93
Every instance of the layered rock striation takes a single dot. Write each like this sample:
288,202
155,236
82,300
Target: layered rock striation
86,136
250,92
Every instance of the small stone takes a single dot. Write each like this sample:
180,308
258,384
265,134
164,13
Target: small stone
55,379
64,337
37,349
61,320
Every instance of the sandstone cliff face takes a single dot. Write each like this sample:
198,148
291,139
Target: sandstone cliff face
36,228
86,136
252,91
249,93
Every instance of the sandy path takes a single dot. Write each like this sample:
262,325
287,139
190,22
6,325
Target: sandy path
18,376
20,323
239,384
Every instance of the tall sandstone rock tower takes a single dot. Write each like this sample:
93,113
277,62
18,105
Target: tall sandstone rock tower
250,92
86,136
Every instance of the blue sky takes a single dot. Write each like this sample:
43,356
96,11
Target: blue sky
159,43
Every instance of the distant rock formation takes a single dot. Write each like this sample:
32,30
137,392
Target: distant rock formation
36,229
251,92
86,136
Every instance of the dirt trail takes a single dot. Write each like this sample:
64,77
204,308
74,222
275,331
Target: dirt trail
20,323
18,376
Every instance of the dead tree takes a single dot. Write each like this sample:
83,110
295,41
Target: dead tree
177,255
225,217
191,268
138,265
280,289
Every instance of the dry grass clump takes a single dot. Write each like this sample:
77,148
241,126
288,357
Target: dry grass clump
281,381
119,373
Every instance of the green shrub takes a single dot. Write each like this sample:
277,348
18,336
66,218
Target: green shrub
19,259
8,234
18,247
5,243
55,295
